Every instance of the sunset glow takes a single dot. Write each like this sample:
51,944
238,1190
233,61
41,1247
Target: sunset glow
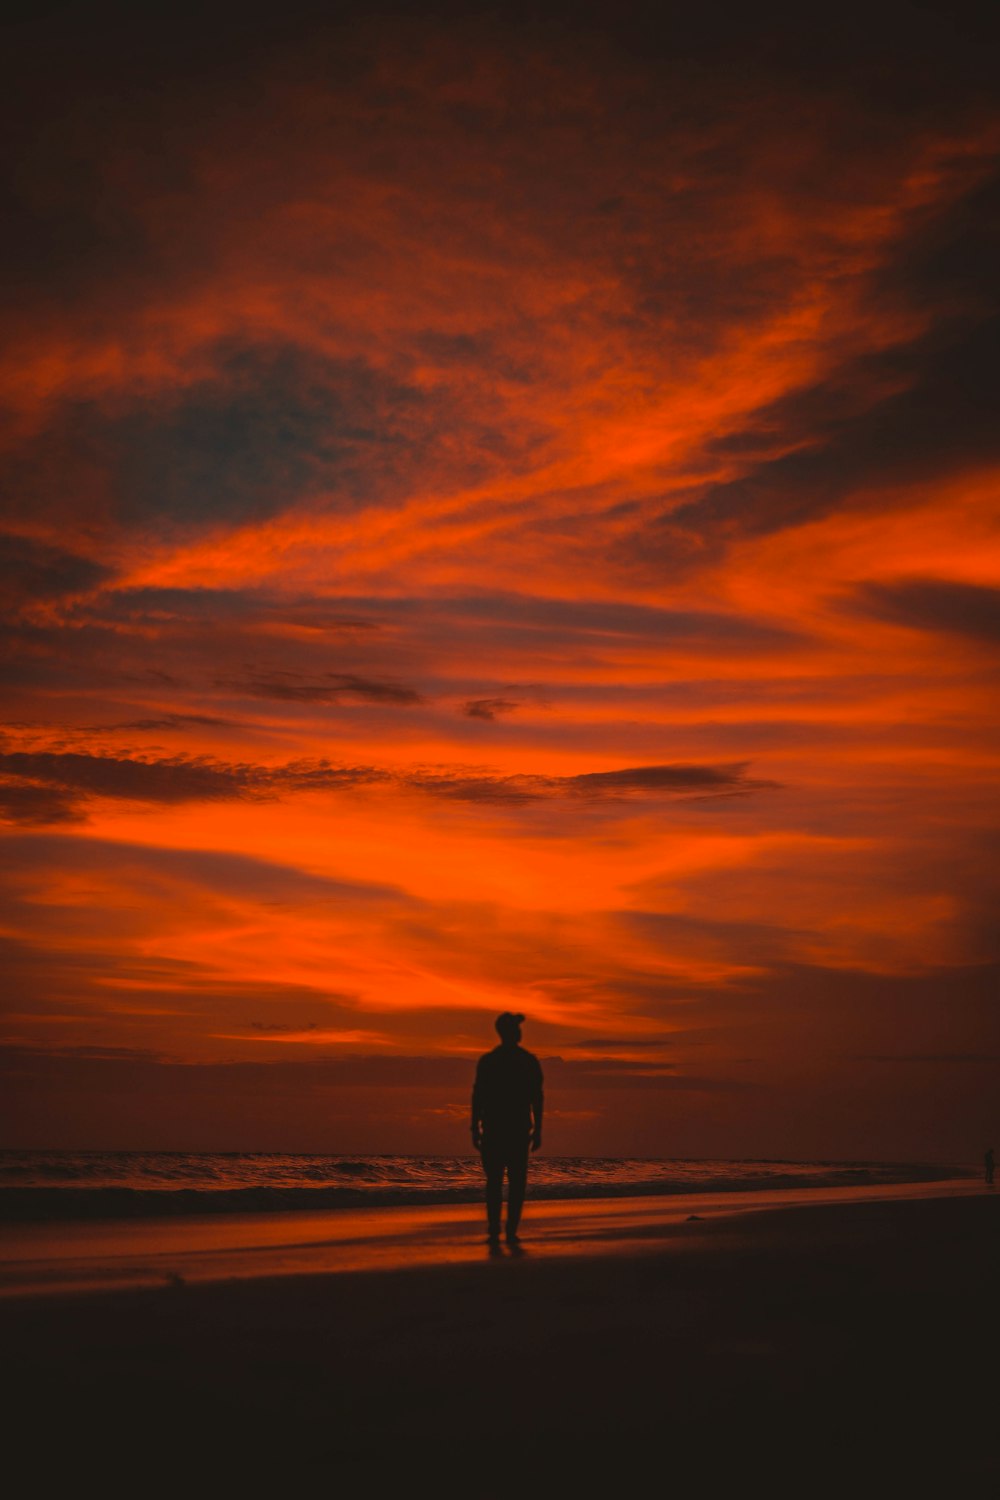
502,518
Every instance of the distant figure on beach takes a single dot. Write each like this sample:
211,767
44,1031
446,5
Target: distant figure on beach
988,1162
506,1119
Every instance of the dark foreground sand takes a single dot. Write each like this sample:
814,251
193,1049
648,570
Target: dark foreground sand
830,1349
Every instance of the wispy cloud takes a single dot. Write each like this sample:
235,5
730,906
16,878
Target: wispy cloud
488,708
332,689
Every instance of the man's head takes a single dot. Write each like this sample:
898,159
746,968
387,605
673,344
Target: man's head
509,1027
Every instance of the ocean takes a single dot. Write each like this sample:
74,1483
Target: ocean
81,1185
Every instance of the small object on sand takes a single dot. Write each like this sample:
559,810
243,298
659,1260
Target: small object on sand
693,1216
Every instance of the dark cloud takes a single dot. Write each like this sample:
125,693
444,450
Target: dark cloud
24,802
944,419
651,781
180,779
950,257
32,570
243,875
488,708
278,1029
288,687
923,407
270,425
248,641
307,776
937,604
499,790
175,780
164,721
676,778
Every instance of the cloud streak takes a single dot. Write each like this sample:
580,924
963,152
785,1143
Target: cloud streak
40,785
937,604
338,685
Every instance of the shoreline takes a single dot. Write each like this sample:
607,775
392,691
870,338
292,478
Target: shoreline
76,1201
50,1258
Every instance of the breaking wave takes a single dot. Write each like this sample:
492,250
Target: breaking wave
36,1185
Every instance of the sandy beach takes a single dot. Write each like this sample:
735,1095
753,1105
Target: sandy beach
807,1347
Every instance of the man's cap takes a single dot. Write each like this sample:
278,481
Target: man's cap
507,1021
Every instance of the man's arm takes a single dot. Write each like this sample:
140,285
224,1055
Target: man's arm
537,1110
477,1108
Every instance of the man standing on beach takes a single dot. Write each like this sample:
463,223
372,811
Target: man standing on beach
506,1119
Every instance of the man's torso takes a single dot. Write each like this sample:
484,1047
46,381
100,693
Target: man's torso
508,1082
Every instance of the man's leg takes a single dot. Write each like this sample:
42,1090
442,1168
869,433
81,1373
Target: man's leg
517,1179
493,1167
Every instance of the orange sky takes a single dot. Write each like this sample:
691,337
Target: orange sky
502,516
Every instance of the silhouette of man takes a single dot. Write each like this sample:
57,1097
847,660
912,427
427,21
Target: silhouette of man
506,1119
988,1163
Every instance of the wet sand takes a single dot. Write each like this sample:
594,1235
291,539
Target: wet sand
76,1256
832,1347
